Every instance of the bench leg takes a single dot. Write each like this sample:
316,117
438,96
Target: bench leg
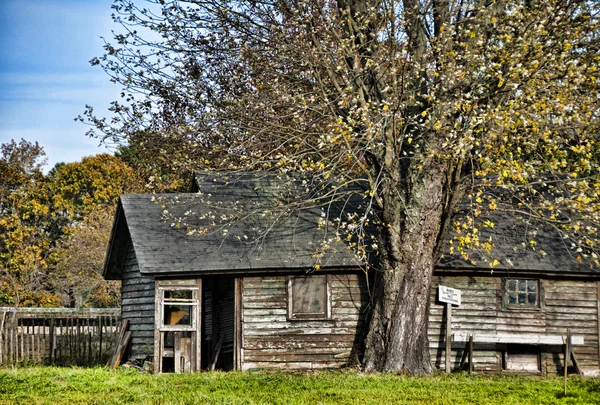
464,357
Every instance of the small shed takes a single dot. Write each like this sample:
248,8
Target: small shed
223,277
205,284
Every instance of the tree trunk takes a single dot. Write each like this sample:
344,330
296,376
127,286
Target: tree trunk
397,339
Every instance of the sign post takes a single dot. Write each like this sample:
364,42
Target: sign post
449,296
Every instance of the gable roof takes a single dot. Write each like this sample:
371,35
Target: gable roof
237,224
244,222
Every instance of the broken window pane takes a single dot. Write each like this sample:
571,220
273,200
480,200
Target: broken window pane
178,308
177,315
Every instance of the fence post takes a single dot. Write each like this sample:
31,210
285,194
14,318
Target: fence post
2,337
51,351
100,335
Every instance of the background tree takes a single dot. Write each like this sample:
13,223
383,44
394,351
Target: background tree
25,226
46,221
422,103
77,274
86,193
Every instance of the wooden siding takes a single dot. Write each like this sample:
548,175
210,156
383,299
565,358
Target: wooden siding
270,340
564,304
573,304
138,307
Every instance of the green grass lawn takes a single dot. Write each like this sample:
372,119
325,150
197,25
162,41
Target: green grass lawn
51,385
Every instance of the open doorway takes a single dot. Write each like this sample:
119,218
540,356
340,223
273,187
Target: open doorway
218,322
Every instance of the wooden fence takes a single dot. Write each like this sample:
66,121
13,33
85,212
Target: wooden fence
60,336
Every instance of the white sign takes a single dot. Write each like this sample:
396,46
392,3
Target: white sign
449,295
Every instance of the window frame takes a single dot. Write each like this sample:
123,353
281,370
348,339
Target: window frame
538,306
192,303
324,316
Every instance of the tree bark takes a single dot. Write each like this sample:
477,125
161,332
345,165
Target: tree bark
397,339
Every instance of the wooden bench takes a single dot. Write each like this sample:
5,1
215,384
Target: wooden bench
525,339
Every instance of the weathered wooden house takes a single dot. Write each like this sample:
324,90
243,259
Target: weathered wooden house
224,277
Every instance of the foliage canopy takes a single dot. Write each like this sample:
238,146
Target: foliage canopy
55,227
494,103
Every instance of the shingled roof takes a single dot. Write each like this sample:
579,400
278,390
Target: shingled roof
250,222
230,224
511,237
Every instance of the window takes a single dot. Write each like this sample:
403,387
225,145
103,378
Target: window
308,298
519,293
178,309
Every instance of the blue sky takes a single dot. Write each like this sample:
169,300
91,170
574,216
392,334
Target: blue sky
45,77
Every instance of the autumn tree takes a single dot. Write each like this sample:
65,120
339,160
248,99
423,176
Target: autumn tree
85,193
78,271
25,226
55,227
421,103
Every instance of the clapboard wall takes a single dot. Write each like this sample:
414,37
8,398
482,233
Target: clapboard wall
138,307
563,304
573,304
271,341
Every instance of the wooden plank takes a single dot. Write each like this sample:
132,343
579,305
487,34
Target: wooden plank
307,325
303,339
569,310
314,331
257,356
557,326
517,339
258,313
129,288
280,319
138,293
286,344
598,317
571,317
2,318
196,355
263,305
569,296
238,322
284,353
157,335
306,365
121,345
264,292
100,326
216,352
149,301
120,350
52,353
570,303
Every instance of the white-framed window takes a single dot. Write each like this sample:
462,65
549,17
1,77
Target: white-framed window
521,293
309,297
178,308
